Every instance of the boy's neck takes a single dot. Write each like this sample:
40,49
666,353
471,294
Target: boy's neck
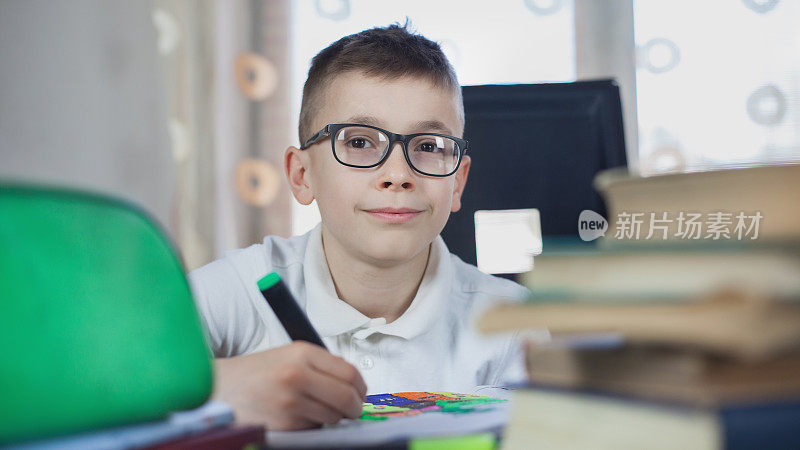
373,290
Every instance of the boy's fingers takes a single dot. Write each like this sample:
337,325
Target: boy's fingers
341,369
315,411
334,393
290,423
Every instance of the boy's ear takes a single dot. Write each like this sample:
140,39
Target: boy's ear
296,164
461,182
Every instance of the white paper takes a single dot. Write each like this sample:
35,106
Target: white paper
484,417
507,240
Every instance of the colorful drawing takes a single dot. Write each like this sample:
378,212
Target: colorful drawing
371,408
399,404
388,399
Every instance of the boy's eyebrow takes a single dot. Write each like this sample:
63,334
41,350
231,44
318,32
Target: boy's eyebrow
432,125
421,126
365,120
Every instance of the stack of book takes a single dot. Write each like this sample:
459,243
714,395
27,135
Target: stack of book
668,342
210,427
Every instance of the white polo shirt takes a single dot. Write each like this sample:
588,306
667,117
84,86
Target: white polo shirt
431,347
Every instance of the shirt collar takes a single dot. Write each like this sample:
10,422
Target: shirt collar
331,316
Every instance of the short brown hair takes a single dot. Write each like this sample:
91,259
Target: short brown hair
388,52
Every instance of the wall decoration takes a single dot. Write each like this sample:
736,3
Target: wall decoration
256,76
544,8
761,6
651,55
766,105
333,9
179,140
169,34
257,182
665,159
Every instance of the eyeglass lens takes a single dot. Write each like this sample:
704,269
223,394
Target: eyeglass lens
364,147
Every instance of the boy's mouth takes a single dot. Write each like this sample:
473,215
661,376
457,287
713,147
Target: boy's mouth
393,215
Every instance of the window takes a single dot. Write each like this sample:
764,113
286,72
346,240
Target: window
718,83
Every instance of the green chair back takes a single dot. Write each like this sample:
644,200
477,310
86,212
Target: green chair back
97,323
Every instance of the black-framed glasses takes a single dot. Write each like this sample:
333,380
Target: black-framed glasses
365,146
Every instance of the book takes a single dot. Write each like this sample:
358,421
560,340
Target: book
227,438
771,191
546,417
729,324
665,273
662,373
683,343
179,424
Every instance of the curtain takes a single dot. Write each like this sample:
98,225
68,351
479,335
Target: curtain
229,120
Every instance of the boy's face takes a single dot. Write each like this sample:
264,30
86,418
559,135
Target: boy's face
349,199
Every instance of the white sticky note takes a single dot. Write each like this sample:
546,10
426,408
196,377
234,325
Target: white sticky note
507,240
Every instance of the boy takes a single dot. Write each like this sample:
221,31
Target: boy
376,281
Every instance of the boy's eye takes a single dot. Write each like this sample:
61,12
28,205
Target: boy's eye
429,147
359,142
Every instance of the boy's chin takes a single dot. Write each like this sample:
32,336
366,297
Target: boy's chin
388,253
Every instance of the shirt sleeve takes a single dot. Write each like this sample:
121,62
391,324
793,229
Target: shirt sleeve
510,366
226,311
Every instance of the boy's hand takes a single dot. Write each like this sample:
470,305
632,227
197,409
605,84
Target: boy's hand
296,386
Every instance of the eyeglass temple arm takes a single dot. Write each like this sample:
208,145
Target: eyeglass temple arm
316,137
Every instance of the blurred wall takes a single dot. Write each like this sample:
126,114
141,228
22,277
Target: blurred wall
81,99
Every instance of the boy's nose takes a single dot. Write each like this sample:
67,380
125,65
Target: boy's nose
395,173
